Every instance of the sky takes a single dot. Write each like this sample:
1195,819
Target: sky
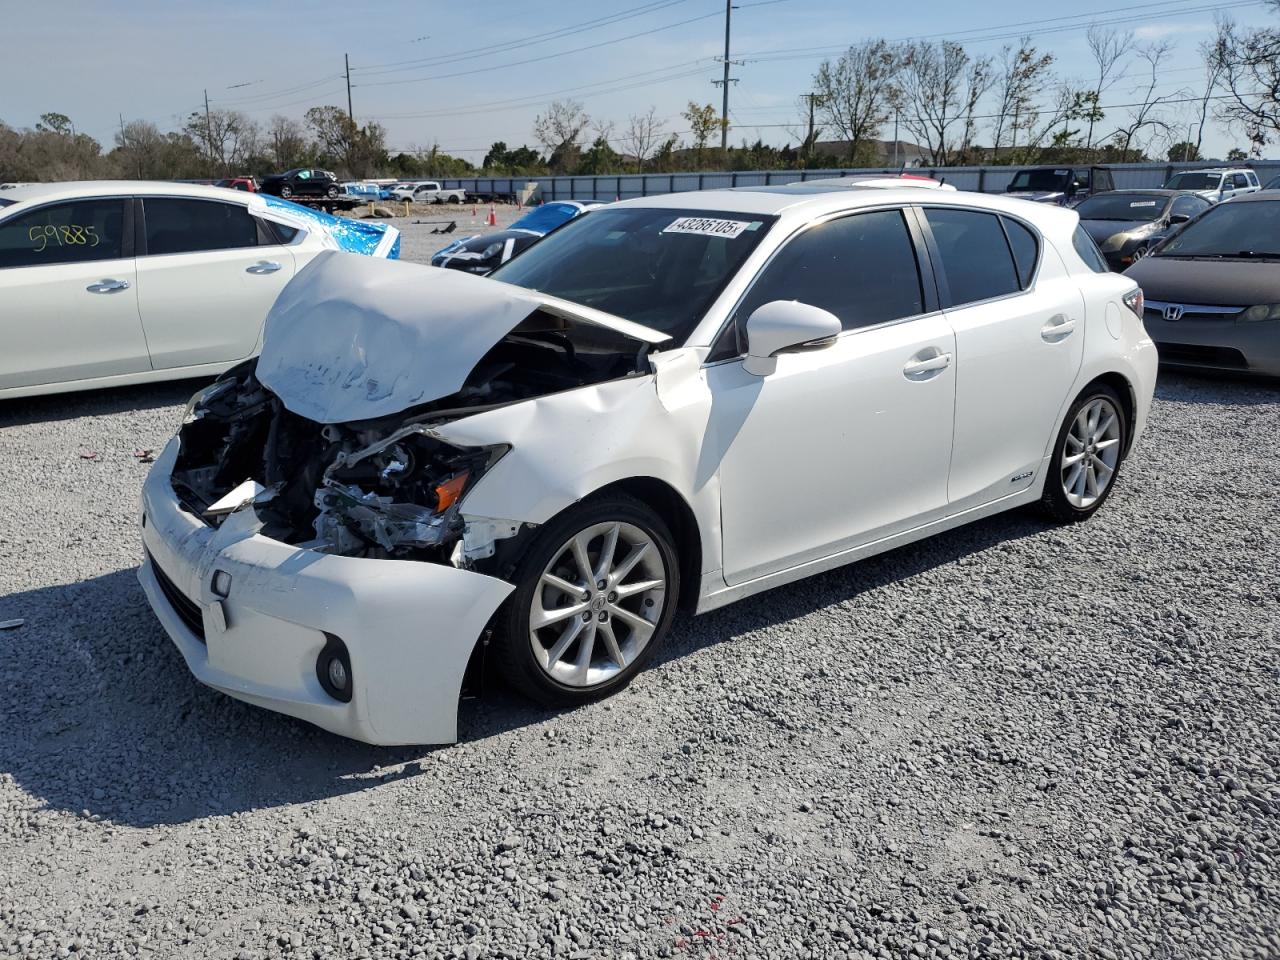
461,76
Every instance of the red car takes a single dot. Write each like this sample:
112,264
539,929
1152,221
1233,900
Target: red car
239,183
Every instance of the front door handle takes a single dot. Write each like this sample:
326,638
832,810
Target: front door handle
1058,328
107,285
922,367
263,266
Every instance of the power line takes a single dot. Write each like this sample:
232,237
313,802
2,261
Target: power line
397,66
545,57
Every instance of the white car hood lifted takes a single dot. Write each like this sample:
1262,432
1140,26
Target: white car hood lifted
356,338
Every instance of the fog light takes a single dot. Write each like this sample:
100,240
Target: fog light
333,669
221,584
337,674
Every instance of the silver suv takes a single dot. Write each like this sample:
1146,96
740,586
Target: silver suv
1217,183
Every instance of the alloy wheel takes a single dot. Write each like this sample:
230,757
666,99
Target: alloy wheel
1090,453
597,604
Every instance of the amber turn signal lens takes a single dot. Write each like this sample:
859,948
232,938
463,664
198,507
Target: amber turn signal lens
448,492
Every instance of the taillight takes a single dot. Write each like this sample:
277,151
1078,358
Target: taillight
1134,301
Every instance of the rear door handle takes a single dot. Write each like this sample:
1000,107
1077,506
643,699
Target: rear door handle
924,367
108,285
263,266
1058,328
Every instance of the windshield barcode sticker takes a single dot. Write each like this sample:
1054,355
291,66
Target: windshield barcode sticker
702,226
1143,203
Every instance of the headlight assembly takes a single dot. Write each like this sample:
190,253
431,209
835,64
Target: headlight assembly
1262,311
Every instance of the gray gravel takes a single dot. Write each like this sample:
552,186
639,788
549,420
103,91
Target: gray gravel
1012,740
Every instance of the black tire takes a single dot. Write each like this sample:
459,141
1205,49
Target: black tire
455,199
514,656
286,191
332,193
1054,502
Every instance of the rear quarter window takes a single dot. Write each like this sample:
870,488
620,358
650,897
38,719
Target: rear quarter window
1088,251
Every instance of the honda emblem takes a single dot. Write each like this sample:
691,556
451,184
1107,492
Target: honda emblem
1173,312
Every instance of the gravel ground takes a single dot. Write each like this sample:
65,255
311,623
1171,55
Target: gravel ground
1011,740
418,243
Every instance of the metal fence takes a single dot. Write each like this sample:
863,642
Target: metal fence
627,186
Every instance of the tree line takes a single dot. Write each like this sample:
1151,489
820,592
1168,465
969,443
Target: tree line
957,107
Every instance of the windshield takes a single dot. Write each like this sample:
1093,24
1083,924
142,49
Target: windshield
546,218
1194,181
7,203
1123,206
1229,230
1273,184
659,267
1038,180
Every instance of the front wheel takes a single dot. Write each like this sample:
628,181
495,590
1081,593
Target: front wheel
1139,253
595,594
286,191
332,193
1087,456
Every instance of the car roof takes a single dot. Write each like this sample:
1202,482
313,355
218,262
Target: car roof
774,201
1158,191
69,190
1216,170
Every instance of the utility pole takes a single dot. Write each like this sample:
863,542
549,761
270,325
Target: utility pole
350,113
895,138
724,104
208,127
813,98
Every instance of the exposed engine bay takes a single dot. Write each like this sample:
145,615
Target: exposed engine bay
381,488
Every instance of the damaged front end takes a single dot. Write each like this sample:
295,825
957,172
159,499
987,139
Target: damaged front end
383,488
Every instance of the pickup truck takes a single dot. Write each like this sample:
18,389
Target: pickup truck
428,191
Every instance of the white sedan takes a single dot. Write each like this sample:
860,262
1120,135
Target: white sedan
112,283
680,400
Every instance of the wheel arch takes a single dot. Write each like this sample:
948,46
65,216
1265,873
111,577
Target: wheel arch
679,517
1128,398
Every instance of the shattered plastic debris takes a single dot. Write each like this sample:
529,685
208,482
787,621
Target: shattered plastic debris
145,456
88,454
11,624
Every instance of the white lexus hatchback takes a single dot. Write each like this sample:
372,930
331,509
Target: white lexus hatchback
110,283
680,400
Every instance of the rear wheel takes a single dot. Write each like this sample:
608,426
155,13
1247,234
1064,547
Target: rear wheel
595,594
1087,457
286,191
332,193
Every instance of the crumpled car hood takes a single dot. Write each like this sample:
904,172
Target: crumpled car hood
355,338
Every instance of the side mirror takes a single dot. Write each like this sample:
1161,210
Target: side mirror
785,326
1175,218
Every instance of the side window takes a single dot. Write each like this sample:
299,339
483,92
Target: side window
975,255
1239,181
862,268
1025,250
1088,251
304,175
81,231
1253,178
187,226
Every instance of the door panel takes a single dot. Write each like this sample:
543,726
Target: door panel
68,294
837,447
205,305
1018,358
56,330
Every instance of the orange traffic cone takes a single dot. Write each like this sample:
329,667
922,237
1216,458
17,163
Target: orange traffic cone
493,216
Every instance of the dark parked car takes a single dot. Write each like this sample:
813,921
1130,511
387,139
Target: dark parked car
1213,289
488,251
302,182
1272,184
1065,185
1125,224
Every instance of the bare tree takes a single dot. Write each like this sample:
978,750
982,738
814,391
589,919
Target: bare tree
855,95
1212,78
643,131
1248,65
559,130
227,136
1023,76
940,87
1147,115
286,142
1108,48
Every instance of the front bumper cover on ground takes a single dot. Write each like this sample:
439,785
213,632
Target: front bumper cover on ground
409,627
